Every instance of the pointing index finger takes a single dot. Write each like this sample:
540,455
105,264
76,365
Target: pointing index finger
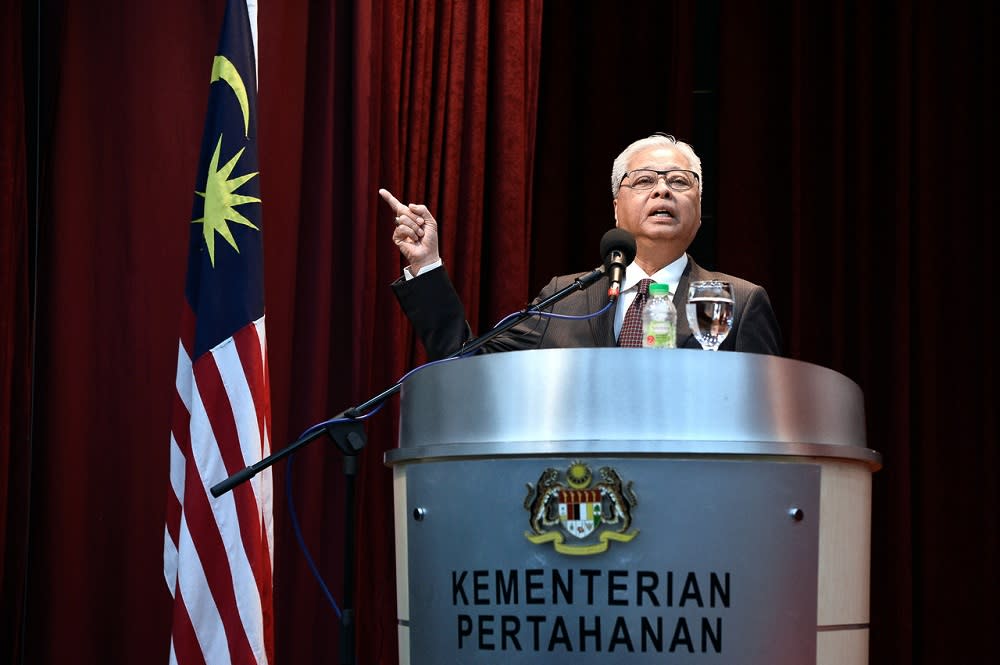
397,207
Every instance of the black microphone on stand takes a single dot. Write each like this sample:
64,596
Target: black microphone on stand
618,250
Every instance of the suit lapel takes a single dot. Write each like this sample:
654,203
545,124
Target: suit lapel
692,272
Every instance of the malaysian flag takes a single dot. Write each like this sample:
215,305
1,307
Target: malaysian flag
218,553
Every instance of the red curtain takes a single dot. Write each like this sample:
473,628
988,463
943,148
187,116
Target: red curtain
424,99
848,156
15,333
858,181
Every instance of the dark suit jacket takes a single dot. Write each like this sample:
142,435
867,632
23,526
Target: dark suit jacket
433,307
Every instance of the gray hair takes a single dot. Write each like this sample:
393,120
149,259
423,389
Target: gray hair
621,162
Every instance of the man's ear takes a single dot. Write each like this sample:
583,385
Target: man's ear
614,204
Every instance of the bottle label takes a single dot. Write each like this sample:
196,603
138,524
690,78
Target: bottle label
659,335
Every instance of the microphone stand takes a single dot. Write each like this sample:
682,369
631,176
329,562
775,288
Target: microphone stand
348,433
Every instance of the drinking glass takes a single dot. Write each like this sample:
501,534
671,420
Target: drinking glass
710,308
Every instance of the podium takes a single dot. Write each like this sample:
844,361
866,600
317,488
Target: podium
597,506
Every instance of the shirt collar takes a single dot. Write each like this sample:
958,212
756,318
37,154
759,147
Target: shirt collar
669,274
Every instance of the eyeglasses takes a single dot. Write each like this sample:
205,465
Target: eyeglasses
678,180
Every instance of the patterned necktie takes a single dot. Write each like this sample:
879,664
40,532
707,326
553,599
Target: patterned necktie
631,334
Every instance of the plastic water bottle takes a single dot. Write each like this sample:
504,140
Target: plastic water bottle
659,319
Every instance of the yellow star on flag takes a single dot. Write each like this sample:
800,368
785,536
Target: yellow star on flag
220,201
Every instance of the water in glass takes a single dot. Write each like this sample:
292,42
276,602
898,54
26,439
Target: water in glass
710,312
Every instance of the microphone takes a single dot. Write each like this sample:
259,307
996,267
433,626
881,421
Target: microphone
618,250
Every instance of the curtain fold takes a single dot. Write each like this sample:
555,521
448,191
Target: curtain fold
451,101
857,180
15,333
115,204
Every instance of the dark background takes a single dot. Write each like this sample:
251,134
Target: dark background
849,152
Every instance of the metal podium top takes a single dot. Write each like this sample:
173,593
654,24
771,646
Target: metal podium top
630,401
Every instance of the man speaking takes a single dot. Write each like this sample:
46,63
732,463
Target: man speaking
656,185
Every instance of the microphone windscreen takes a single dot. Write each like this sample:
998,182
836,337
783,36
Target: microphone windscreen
620,240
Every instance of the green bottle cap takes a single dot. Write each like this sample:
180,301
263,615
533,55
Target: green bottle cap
659,289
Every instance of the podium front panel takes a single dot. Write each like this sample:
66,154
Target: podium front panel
720,565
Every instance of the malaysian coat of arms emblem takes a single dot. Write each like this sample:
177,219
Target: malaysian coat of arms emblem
579,509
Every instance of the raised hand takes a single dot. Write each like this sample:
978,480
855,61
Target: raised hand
416,233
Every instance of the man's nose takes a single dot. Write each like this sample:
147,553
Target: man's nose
660,188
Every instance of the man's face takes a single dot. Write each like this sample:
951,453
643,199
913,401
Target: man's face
664,222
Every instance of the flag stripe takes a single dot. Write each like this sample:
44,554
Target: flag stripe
230,434
250,347
183,650
194,588
170,559
249,351
179,441
173,523
234,368
266,500
211,521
